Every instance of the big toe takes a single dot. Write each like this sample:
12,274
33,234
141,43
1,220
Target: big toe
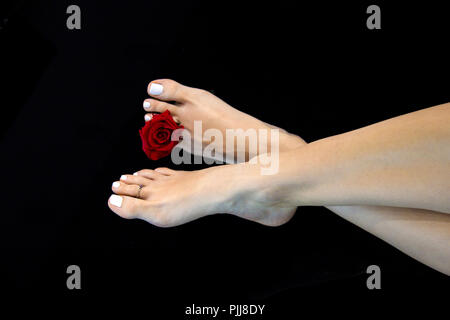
170,90
125,206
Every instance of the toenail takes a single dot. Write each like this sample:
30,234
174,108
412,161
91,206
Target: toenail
116,200
148,117
156,89
123,177
116,184
146,104
135,174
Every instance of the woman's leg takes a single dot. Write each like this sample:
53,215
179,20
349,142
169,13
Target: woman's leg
400,162
421,234
431,236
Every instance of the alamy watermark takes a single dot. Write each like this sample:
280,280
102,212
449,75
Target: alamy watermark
74,20
258,146
74,279
374,280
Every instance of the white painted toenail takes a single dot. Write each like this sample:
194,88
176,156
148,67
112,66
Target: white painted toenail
146,104
116,200
135,174
148,117
156,89
116,184
123,177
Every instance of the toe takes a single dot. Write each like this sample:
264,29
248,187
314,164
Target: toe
149,174
134,179
132,190
152,105
126,207
149,116
165,171
169,90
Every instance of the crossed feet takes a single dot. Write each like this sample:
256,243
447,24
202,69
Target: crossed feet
166,197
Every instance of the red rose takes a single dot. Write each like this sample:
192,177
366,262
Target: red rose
156,135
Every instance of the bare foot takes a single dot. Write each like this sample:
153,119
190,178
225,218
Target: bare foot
167,198
189,104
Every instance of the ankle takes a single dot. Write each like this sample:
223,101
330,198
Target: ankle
283,187
247,184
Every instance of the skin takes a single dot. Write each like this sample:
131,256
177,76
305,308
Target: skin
190,104
387,178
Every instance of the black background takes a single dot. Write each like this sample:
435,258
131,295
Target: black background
72,107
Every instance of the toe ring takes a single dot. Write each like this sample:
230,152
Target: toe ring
139,191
